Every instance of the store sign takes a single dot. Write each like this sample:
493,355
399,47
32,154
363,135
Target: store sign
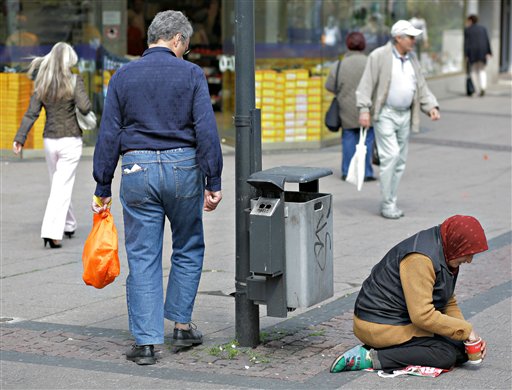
226,63
111,18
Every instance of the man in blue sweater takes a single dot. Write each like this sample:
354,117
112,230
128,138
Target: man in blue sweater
158,117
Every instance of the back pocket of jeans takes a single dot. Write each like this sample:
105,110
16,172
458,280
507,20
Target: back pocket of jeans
188,181
134,187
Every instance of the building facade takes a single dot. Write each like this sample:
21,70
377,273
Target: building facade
297,41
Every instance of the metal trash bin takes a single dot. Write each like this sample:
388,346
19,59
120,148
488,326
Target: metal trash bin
309,248
290,236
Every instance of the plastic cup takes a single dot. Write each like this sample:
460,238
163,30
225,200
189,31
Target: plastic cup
474,351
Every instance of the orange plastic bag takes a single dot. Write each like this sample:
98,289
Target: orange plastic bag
100,256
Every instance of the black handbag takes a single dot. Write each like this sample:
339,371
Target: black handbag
332,116
470,88
375,154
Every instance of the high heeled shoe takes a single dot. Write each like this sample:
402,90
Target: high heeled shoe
52,243
69,234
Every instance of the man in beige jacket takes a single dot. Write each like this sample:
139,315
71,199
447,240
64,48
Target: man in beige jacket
394,89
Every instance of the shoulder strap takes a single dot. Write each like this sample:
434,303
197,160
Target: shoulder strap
336,80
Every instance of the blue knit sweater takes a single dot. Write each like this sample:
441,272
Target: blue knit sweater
158,102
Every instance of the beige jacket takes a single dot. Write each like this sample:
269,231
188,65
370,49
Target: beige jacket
372,92
60,116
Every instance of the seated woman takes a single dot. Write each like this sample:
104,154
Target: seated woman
406,312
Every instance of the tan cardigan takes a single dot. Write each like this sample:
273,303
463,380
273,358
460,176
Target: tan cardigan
373,89
418,278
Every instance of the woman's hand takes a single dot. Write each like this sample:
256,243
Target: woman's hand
473,336
17,147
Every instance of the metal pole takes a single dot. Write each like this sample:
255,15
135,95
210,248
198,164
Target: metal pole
247,321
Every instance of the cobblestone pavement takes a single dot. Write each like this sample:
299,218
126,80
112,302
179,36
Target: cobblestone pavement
288,356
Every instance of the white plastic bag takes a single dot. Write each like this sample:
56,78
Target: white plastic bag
357,164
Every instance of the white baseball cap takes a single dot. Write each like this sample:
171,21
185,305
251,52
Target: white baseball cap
403,27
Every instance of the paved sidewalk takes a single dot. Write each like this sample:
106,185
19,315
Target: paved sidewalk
58,333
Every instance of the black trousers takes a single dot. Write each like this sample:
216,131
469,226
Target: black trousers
437,351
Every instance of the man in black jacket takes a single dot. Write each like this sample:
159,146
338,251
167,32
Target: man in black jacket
477,50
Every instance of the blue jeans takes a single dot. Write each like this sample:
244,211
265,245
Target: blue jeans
168,184
349,140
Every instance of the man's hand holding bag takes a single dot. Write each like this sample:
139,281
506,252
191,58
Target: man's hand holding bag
100,255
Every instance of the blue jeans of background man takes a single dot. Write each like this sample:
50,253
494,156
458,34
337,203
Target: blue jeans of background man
392,131
169,184
349,140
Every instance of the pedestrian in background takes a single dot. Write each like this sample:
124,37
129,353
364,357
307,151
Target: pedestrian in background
59,92
158,116
406,312
477,50
350,72
394,89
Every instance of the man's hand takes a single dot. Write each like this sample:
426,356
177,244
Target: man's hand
100,204
434,114
364,119
211,200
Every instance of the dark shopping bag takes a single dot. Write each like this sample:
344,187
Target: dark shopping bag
470,88
375,154
332,116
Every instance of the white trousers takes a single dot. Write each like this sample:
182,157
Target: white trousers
392,131
479,76
62,156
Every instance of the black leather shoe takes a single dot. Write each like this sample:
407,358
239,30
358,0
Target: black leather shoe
369,178
186,338
343,177
141,354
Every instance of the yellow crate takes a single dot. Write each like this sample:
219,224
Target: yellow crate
314,99
267,116
315,115
315,107
315,91
289,107
268,84
302,83
301,115
289,123
267,100
301,107
279,108
315,82
268,92
269,75
301,99
315,123
258,75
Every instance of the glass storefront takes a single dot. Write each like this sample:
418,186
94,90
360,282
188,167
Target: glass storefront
296,43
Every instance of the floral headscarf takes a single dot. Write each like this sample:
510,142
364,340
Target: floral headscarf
462,235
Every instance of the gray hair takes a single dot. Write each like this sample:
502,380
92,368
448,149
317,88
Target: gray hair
167,24
53,77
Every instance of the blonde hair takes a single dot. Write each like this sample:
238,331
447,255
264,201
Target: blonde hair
53,77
